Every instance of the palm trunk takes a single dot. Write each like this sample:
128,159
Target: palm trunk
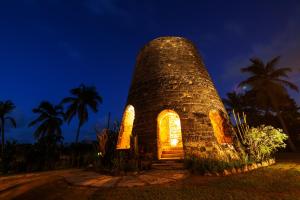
284,127
2,138
289,140
77,133
267,112
76,146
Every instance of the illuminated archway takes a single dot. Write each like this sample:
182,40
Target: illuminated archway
126,128
169,136
219,124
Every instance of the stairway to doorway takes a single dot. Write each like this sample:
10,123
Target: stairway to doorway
168,165
171,159
172,154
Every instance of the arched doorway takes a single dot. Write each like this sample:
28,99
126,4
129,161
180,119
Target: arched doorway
126,128
169,136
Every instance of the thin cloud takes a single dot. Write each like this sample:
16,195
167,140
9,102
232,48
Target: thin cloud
285,44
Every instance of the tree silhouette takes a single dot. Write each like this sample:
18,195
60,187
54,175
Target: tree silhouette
234,102
269,86
82,98
49,121
6,107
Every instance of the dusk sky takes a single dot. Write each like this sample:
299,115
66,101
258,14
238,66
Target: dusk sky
48,47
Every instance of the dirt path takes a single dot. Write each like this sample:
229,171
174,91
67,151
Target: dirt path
280,179
13,186
78,184
56,190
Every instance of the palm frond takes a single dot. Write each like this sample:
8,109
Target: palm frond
270,66
40,131
50,119
38,120
68,100
253,69
281,72
6,107
71,112
250,81
288,84
12,121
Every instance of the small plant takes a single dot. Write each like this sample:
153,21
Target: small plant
123,163
106,148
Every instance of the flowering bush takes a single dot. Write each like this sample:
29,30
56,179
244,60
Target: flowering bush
258,143
263,141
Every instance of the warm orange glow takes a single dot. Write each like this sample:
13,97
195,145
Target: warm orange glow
174,142
169,132
126,128
218,123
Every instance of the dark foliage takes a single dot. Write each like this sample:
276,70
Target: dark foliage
49,121
82,98
265,98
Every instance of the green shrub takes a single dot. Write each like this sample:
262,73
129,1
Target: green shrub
204,165
253,145
257,144
263,141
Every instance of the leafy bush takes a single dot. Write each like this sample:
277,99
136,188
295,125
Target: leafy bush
258,143
263,141
253,145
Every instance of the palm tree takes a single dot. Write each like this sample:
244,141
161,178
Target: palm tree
49,121
234,102
6,107
270,87
82,98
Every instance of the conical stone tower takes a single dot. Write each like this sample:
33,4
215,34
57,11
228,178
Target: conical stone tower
173,107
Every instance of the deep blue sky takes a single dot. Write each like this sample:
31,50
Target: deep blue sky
48,47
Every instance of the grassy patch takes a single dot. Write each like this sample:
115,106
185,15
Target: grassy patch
281,181
203,165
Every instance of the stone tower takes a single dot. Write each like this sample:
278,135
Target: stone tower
173,106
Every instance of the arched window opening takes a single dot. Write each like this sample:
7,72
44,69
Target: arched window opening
169,135
126,128
219,124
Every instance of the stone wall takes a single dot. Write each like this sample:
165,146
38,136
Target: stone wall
170,74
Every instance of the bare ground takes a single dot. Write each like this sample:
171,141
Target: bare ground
280,181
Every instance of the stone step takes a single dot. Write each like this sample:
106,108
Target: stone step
173,148
168,161
172,158
171,155
167,165
172,151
